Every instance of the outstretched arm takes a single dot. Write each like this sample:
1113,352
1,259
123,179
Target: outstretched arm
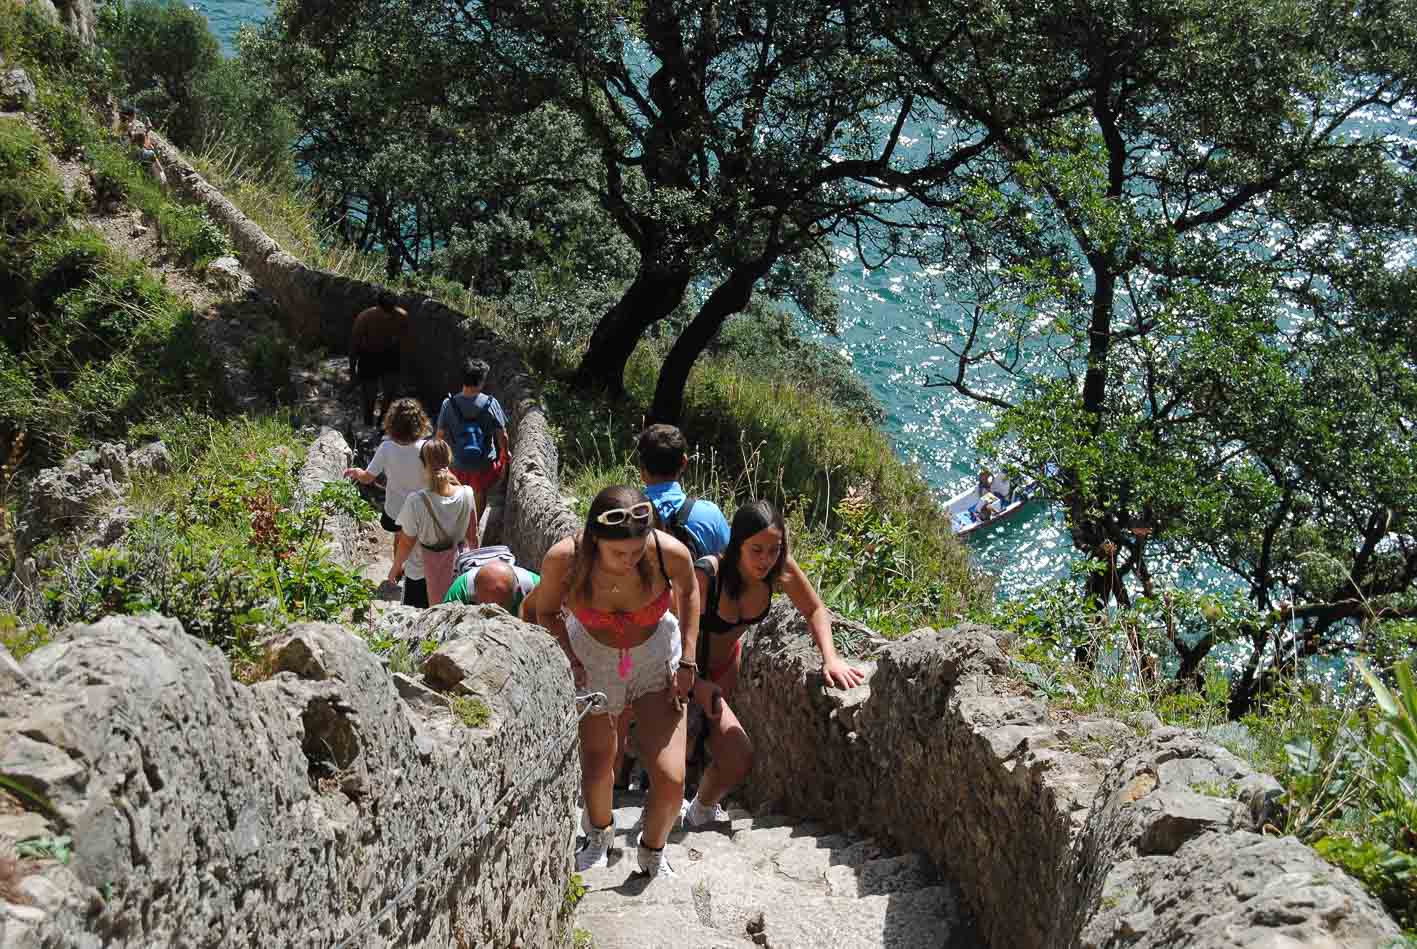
819,620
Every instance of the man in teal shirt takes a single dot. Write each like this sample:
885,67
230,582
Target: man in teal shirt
493,582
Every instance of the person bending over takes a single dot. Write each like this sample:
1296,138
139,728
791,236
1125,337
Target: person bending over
606,594
495,581
735,591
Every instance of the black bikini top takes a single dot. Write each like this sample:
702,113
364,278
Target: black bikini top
709,620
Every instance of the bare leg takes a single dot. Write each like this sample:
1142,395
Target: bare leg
597,743
661,730
368,389
732,757
622,737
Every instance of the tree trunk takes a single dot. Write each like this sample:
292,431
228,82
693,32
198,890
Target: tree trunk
728,298
651,298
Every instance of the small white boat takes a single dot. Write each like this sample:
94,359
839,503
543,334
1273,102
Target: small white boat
977,508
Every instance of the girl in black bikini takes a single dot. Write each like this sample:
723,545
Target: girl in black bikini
736,591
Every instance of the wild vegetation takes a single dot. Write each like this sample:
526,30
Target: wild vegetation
1172,242
96,347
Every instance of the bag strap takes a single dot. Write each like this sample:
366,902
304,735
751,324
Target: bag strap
437,524
709,565
659,552
681,516
481,409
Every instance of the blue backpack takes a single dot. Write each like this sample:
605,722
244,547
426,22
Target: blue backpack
470,442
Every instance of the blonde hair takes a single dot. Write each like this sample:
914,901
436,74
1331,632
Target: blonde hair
437,457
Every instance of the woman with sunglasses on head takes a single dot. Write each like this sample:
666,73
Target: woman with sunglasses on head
610,596
735,591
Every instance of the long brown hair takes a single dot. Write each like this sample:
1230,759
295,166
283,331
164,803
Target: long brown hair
437,458
751,519
621,496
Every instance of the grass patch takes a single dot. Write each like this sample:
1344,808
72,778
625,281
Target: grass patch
471,710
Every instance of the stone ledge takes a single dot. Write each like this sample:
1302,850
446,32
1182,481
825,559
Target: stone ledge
1051,847
287,812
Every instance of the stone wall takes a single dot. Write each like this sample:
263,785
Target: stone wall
320,308
205,812
1060,832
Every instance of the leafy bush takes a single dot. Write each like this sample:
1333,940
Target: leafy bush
269,360
194,237
32,199
224,544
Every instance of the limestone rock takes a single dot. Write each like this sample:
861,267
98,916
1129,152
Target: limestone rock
17,91
23,826
12,677
151,458
63,498
1173,817
113,459
225,272
1235,891
289,810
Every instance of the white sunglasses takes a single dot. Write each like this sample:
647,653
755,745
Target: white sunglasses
619,515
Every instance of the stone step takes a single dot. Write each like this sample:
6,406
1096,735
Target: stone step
922,919
766,880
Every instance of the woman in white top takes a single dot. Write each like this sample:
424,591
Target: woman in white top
396,458
433,524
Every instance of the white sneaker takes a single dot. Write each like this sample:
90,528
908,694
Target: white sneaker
694,815
655,863
596,852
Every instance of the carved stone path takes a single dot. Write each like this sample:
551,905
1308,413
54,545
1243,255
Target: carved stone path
768,881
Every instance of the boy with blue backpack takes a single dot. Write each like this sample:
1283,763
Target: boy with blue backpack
473,423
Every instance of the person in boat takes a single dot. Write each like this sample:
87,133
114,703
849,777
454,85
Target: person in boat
735,591
606,595
986,482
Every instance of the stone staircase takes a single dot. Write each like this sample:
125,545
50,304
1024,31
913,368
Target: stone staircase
768,880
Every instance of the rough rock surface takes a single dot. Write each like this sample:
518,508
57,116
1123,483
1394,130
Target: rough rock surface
770,881
325,460
151,458
225,272
63,498
17,91
320,308
205,812
1066,833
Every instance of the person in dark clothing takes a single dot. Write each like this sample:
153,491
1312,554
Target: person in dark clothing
376,352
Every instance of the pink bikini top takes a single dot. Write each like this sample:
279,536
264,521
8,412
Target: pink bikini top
618,621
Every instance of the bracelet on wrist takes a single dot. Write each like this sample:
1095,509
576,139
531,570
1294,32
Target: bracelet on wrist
688,664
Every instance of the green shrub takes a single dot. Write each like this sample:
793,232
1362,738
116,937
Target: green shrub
194,238
20,637
270,360
471,710
32,198
223,544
